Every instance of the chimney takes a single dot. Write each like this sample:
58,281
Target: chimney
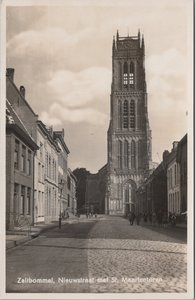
50,129
22,91
175,144
165,155
10,73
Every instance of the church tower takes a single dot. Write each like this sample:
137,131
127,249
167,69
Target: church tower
129,135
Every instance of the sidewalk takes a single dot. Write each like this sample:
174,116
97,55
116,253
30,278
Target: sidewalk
21,236
18,237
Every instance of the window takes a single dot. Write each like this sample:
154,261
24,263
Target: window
16,186
120,154
133,154
170,172
125,74
125,114
41,151
46,164
126,154
132,114
16,191
28,201
131,74
53,170
22,200
16,155
140,154
28,164
42,208
175,173
23,158
119,114
49,167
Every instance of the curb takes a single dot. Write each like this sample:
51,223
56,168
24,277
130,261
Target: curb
33,235
12,244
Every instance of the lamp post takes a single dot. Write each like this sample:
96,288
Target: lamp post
61,186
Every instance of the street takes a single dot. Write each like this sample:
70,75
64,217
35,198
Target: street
104,255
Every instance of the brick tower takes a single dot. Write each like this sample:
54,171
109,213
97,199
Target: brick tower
129,134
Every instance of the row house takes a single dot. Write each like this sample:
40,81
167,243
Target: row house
20,151
51,149
39,188
165,190
181,159
37,164
46,176
173,182
71,185
62,171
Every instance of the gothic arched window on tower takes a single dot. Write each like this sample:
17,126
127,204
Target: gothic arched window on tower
132,114
131,75
120,114
125,74
133,154
140,154
126,154
125,114
120,153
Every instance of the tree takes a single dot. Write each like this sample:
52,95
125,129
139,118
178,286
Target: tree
81,175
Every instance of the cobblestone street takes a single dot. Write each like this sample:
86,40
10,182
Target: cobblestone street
113,255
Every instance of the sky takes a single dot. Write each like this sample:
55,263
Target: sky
63,56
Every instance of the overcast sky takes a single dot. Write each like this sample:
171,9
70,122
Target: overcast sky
62,55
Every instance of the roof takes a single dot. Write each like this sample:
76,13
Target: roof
14,123
19,93
72,175
44,129
58,134
182,143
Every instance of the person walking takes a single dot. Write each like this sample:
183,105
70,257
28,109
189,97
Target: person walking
173,220
131,217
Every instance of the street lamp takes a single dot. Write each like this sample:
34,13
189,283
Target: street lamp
61,186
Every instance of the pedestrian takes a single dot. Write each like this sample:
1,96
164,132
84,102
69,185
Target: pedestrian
173,220
170,217
131,217
145,217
